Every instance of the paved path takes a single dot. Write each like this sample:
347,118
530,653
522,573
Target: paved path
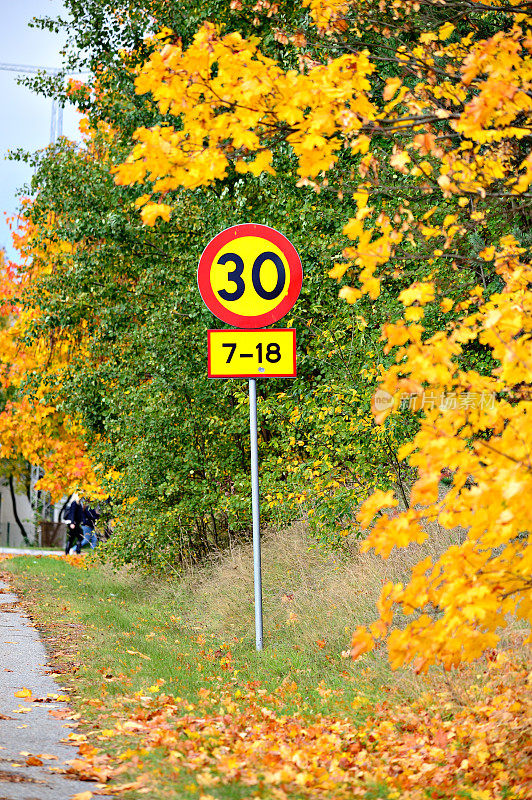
26,728
29,551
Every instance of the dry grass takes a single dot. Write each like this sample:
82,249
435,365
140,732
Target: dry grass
313,599
309,594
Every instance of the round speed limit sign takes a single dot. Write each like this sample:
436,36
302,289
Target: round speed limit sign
250,276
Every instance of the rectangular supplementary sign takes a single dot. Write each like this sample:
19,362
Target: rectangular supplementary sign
252,354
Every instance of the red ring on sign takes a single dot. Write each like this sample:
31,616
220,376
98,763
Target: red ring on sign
261,232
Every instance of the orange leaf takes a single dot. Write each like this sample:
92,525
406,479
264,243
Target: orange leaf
23,693
32,761
362,642
441,739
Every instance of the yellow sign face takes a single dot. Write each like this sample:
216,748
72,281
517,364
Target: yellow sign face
252,354
240,290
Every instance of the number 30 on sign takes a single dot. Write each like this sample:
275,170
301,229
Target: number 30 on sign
252,354
250,275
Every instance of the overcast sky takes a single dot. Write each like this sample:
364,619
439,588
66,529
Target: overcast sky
26,118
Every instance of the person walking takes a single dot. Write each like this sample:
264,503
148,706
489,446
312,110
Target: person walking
88,523
74,517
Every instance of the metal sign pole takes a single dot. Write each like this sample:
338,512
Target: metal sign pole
255,505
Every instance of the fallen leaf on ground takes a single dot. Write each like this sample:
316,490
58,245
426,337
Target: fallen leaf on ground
61,713
125,787
136,653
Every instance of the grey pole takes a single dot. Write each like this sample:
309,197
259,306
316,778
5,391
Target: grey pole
53,122
59,122
255,505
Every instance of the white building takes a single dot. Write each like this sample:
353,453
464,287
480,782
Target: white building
10,535
29,517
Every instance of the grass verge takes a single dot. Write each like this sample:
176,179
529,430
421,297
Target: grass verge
115,637
177,703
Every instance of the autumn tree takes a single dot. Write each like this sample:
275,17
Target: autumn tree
175,444
436,154
397,139
32,428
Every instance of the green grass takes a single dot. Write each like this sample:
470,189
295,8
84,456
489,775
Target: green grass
121,640
121,613
92,618
313,600
112,634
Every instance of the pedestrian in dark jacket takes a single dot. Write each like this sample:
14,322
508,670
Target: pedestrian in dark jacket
88,523
74,517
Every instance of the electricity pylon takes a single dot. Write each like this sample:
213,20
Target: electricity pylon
56,122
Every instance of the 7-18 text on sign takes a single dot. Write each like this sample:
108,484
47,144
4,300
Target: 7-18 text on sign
252,354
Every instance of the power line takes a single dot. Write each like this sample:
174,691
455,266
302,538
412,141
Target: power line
29,68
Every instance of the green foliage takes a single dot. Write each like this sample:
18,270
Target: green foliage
172,444
172,447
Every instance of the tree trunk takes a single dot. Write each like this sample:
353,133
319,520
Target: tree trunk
15,511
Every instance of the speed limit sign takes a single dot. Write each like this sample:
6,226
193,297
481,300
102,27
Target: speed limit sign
250,276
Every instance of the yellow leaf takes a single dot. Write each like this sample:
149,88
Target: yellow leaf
392,85
445,31
23,693
349,294
262,163
361,145
398,160
361,199
151,211
142,200
374,503
414,314
338,270
487,254
420,291
362,642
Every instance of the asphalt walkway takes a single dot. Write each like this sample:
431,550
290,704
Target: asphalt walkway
28,551
28,732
